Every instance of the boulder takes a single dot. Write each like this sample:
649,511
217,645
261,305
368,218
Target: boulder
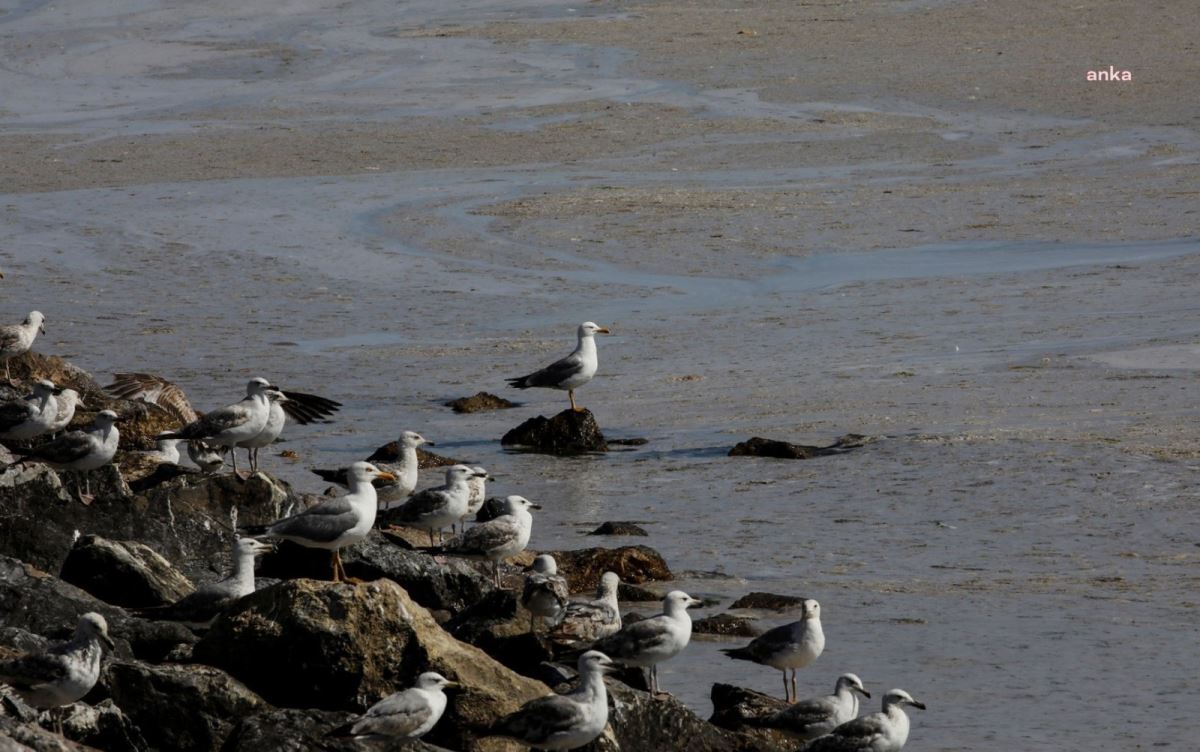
498,625
102,726
637,594
181,707
289,730
32,366
739,709
619,528
569,432
768,602
726,624
337,646
636,564
479,402
123,573
760,447
640,723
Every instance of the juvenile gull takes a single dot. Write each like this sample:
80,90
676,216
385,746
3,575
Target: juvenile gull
165,452
17,339
435,508
649,642
565,721
478,484
206,458
545,595
878,732
571,372
65,672
81,451
228,426
408,714
67,400
300,407
32,416
201,607
276,417
498,539
791,646
815,716
405,471
588,621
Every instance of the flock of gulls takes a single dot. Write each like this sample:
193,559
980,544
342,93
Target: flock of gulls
593,628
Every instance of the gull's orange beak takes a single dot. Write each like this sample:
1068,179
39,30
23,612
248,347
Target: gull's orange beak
385,475
603,330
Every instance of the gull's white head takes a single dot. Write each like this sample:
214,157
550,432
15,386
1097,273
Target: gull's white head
44,388
413,439
595,662
513,504
588,328
70,397
433,681
812,609
257,385
677,600
35,318
276,396
458,474
900,697
250,547
852,682
165,445
93,625
105,418
365,472
545,564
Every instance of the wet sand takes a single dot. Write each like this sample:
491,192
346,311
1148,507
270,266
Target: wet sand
913,221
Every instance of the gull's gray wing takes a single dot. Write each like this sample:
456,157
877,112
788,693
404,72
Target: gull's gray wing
540,719
803,716
635,639
10,337
68,448
553,374
485,537
398,714
308,408
419,505
14,413
155,389
853,735
32,670
198,607
322,523
215,423
341,475
587,622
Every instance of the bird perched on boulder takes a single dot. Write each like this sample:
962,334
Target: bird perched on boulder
545,595
201,607
886,731
817,716
17,339
649,642
81,451
408,714
559,722
791,646
498,539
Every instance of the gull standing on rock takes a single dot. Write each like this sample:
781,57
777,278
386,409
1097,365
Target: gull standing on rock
878,732
545,595
231,425
478,484
32,416
333,523
406,471
571,372
66,402
649,642
276,417
791,646
81,451
17,339
588,621
498,539
438,507
816,716
560,722
404,715
200,608
64,673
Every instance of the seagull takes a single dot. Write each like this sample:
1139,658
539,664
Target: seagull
206,458
65,672
478,484
335,522
816,716
16,339
405,471
571,372
67,400
648,642
200,608
435,508
165,452
498,539
233,424
886,731
271,431
790,646
81,451
588,621
31,416
405,715
567,721
545,595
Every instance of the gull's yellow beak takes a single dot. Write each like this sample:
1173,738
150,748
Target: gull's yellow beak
603,330
385,475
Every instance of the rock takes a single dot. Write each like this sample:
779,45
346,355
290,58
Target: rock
739,709
637,594
479,402
630,442
640,723
337,646
390,452
635,564
123,573
451,586
102,726
726,624
760,447
19,730
305,730
499,626
569,432
768,601
140,422
32,366
618,528
181,707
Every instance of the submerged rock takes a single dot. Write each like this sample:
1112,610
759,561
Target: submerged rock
619,528
760,447
768,601
569,432
123,573
479,402
726,624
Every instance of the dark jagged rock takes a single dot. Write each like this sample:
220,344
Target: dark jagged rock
123,573
768,601
569,432
641,723
451,586
726,624
32,366
288,730
619,528
635,564
479,402
337,646
631,442
742,710
181,707
636,594
390,452
140,422
499,626
102,726
760,447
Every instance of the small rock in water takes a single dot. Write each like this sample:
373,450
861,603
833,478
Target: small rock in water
636,564
726,624
479,403
760,447
768,601
636,594
618,528
569,432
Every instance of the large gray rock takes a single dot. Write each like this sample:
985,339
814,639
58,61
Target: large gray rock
103,726
123,573
640,723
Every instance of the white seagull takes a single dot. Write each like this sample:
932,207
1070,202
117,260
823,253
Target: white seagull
588,621
649,642
200,608
408,714
791,646
498,539
233,424
816,716
81,451
571,372
478,495
437,508
68,400
406,471
32,416
276,417
545,595
878,732
333,523
567,721
17,339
